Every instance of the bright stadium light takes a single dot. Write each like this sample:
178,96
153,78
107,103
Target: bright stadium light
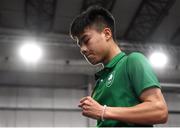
158,59
30,52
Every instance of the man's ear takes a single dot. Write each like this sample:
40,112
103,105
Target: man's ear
107,33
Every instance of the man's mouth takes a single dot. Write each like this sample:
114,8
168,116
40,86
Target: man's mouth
89,56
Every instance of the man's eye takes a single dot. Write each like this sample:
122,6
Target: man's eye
86,40
83,41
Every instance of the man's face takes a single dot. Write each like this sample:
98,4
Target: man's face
93,45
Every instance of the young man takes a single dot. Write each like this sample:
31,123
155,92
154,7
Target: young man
127,93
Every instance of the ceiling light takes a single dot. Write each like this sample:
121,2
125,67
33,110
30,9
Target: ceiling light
158,59
30,52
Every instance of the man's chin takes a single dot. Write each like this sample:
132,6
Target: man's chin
92,62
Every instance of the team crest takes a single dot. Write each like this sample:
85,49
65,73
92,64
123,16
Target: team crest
110,79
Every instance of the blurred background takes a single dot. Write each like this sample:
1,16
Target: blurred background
43,75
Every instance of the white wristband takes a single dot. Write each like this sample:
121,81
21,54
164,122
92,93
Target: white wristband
102,115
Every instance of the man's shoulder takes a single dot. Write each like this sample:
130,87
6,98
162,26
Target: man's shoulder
135,55
136,58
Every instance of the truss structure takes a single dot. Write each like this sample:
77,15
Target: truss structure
39,14
147,18
108,4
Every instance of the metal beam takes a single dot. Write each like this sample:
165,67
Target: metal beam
170,87
59,40
40,109
51,66
175,35
38,79
73,68
108,4
174,111
59,46
148,16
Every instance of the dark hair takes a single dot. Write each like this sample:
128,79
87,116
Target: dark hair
94,15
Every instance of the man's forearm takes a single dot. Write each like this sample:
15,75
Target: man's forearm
144,113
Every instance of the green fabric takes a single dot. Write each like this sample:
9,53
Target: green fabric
121,82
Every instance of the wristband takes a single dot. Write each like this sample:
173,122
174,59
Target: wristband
102,115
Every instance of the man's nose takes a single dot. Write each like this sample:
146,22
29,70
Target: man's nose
83,49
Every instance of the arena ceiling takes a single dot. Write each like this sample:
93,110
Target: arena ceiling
141,25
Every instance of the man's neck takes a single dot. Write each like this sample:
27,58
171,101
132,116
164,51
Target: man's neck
114,50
